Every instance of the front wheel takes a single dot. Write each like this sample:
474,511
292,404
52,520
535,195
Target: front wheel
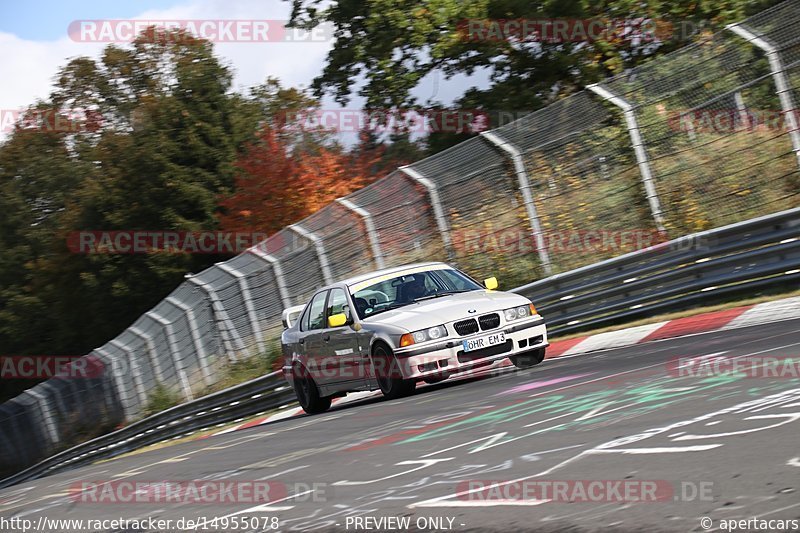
390,379
307,392
529,359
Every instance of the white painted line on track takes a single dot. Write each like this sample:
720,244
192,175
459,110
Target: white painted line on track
481,503
270,476
270,506
603,448
615,339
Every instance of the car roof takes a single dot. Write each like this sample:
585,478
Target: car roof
376,273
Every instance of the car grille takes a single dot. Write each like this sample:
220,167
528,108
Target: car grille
466,327
489,321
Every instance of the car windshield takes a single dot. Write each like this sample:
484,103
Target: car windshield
390,293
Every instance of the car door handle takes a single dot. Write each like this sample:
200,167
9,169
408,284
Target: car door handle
302,341
327,338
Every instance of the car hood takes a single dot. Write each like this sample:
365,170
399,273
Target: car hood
446,309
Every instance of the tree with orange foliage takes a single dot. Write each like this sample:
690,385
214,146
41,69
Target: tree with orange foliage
267,187
279,184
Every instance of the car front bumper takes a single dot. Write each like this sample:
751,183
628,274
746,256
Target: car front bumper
447,356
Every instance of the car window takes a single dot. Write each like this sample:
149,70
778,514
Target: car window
456,279
337,303
315,315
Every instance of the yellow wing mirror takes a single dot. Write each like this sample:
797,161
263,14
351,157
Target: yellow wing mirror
337,320
490,283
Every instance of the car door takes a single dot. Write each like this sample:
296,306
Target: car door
342,345
312,327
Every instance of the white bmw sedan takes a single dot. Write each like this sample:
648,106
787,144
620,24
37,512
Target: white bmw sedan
389,329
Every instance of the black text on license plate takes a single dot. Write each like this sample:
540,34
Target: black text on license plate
470,345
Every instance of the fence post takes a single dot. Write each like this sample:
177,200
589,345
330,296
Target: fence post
320,247
638,149
436,205
173,350
277,271
741,110
136,372
122,392
152,353
370,227
248,304
55,394
527,196
47,414
228,331
779,76
195,332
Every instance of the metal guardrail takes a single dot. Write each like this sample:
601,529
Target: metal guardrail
758,253
247,399
755,254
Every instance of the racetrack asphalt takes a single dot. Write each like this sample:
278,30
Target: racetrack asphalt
718,446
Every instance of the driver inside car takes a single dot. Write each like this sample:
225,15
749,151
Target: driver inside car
414,289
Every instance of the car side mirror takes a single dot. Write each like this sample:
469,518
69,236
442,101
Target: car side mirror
337,320
490,283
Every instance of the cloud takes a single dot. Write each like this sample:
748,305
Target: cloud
29,67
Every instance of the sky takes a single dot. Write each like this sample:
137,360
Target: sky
35,43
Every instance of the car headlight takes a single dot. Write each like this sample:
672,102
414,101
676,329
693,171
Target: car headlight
521,311
429,334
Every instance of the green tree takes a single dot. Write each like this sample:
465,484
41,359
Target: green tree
393,44
159,158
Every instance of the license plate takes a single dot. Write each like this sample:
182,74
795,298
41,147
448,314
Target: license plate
479,343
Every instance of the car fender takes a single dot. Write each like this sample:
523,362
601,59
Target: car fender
388,334
381,337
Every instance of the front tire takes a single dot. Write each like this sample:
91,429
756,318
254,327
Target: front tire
307,392
390,379
527,360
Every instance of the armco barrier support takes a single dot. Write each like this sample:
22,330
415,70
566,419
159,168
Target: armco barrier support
436,205
372,234
527,197
783,88
638,148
